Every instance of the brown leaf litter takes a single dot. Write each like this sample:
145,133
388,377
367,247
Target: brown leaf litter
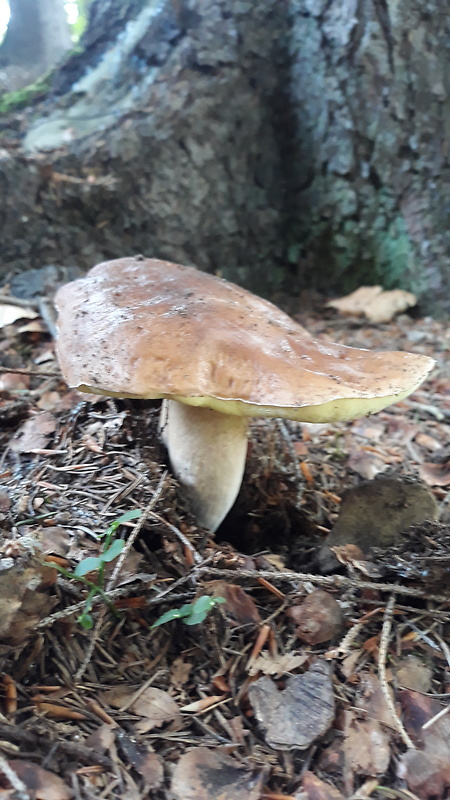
373,303
300,684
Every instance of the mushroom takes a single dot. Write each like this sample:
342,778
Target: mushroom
217,355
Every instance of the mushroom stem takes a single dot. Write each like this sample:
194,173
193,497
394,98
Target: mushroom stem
207,452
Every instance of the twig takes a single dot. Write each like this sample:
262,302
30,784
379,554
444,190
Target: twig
136,695
396,794
382,655
436,717
120,562
333,581
344,646
115,594
29,741
76,608
10,300
31,372
195,554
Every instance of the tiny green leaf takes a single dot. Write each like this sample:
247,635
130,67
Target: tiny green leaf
175,613
86,621
201,608
113,550
205,604
195,619
190,613
87,565
127,517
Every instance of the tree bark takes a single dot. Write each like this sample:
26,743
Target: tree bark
282,143
371,93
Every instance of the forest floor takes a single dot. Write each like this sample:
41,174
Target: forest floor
325,674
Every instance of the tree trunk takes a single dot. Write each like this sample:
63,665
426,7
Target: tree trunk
282,143
371,93
38,35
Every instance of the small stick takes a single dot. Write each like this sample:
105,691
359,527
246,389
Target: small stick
30,372
436,717
196,556
116,594
334,581
382,655
10,300
261,639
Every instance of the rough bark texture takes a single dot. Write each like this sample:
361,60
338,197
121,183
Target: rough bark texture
371,94
295,143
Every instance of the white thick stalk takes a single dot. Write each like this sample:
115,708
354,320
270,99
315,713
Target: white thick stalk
207,451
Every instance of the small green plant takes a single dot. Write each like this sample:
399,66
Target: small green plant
23,97
111,549
191,613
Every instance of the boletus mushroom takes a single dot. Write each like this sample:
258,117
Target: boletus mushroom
217,355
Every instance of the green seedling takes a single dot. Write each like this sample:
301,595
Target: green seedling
111,549
190,613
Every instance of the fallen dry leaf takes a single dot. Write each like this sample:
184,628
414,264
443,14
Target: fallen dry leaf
55,540
426,771
367,738
426,775
428,442
14,381
41,784
34,433
143,759
388,304
49,401
204,774
5,501
101,739
35,326
299,714
179,672
10,314
316,789
371,699
369,428
203,704
348,554
412,672
366,464
354,304
318,618
374,303
349,663
276,665
366,746
157,706
418,709
22,605
435,474
237,602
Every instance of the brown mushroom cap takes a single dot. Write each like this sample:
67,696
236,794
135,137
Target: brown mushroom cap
145,328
